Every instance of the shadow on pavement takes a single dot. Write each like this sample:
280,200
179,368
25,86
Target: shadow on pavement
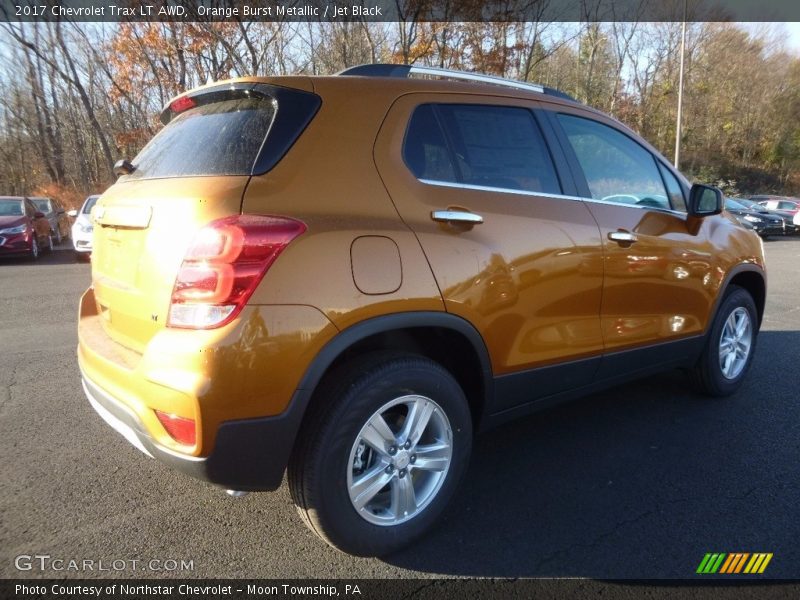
636,482
62,255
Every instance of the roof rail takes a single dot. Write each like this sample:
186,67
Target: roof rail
389,70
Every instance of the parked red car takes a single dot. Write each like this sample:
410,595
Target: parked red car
24,230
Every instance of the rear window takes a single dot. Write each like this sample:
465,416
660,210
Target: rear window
217,138
42,204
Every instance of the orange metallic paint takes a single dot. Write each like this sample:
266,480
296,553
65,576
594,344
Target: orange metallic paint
529,277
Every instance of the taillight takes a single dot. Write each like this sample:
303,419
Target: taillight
223,266
180,429
181,104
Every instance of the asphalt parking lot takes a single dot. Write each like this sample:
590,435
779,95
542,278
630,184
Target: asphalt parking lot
637,482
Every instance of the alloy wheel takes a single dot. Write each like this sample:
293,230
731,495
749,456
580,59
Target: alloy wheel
399,460
735,343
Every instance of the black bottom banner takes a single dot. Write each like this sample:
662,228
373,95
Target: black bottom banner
383,589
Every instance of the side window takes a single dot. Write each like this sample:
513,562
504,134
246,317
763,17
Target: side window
424,148
616,168
492,146
674,190
500,146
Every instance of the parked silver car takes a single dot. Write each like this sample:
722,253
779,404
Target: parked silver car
56,215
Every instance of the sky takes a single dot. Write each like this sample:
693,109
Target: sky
794,36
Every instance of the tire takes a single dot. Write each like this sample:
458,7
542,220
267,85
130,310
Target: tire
713,374
331,455
58,237
34,253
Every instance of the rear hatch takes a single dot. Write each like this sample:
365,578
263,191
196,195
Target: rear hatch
193,171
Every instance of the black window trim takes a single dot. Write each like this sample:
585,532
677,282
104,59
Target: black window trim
661,166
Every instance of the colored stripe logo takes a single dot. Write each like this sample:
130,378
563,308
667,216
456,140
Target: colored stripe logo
733,563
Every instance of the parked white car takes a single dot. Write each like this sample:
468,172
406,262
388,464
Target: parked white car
82,229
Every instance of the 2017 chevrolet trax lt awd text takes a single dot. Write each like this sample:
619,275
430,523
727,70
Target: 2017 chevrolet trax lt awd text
347,277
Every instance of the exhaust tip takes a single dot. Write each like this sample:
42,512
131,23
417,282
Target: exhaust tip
236,493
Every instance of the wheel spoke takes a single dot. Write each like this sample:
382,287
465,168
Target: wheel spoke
730,326
378,435
419,414
404,498
745,345
370,483
741,324
432,457
726,368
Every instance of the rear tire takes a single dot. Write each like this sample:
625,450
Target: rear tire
368,490
730,346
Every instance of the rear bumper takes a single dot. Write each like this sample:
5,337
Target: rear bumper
250,454
239,383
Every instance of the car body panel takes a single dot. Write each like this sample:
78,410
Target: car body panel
339,201
534,299
141,232
55,215
248,368
664,285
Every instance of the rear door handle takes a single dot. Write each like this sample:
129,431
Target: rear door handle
622,237
456,216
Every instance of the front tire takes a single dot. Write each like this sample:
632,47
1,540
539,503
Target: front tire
378,461
34,253
731,344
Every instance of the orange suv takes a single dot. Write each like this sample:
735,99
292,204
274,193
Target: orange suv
349,276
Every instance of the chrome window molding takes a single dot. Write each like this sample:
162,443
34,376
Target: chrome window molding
486,188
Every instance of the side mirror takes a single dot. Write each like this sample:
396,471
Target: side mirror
72,213
38,215
705,200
